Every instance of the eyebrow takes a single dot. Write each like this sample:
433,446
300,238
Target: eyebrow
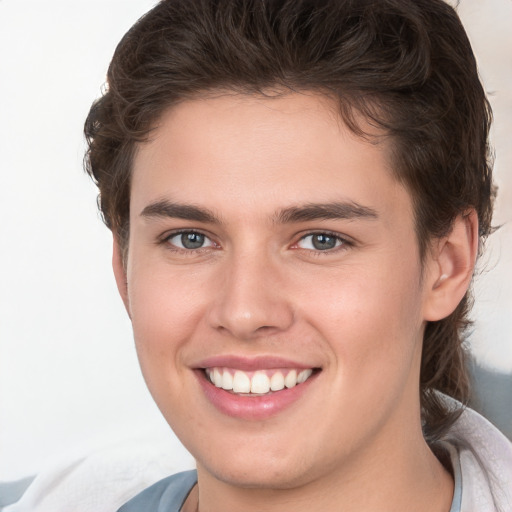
165,208
308,212
325,211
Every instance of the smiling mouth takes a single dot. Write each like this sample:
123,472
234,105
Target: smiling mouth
257,383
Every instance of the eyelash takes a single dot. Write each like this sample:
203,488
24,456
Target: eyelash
342,243
183,250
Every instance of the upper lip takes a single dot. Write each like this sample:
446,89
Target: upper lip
249,364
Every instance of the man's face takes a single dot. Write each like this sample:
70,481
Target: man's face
267,243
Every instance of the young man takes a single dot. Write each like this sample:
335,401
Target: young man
298,192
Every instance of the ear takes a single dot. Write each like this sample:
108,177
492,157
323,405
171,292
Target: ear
118,264
451,266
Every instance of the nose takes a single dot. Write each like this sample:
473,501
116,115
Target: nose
251,301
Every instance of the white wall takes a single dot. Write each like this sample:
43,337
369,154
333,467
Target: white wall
69,379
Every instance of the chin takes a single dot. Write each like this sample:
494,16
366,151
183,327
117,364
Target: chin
270,476
257,469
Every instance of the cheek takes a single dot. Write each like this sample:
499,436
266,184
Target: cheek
165,312
371,320
165,309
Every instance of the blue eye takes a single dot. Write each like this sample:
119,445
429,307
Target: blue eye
320,242
190,240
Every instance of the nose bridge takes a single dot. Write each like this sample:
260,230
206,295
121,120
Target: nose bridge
251,301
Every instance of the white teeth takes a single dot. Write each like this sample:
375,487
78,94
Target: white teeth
258,383
217,378
241,383
227,380
304,376
277,382
291,379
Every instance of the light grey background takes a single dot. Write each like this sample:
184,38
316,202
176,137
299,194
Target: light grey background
69,379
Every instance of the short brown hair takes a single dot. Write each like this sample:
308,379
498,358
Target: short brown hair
405,66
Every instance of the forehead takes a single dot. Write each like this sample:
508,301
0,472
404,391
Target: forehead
258,152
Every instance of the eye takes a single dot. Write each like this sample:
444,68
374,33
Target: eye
320,242
189,240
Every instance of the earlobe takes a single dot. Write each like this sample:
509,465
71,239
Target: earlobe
119,267
451,267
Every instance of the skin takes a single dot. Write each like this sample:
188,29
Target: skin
258,287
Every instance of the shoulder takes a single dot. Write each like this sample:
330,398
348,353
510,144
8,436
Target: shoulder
11,492
485,459
166,495
101,481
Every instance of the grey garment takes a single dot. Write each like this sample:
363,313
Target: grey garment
167,495
457,477
11,492
492,396
485,456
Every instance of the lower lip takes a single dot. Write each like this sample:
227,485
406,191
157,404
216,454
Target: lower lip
252,407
